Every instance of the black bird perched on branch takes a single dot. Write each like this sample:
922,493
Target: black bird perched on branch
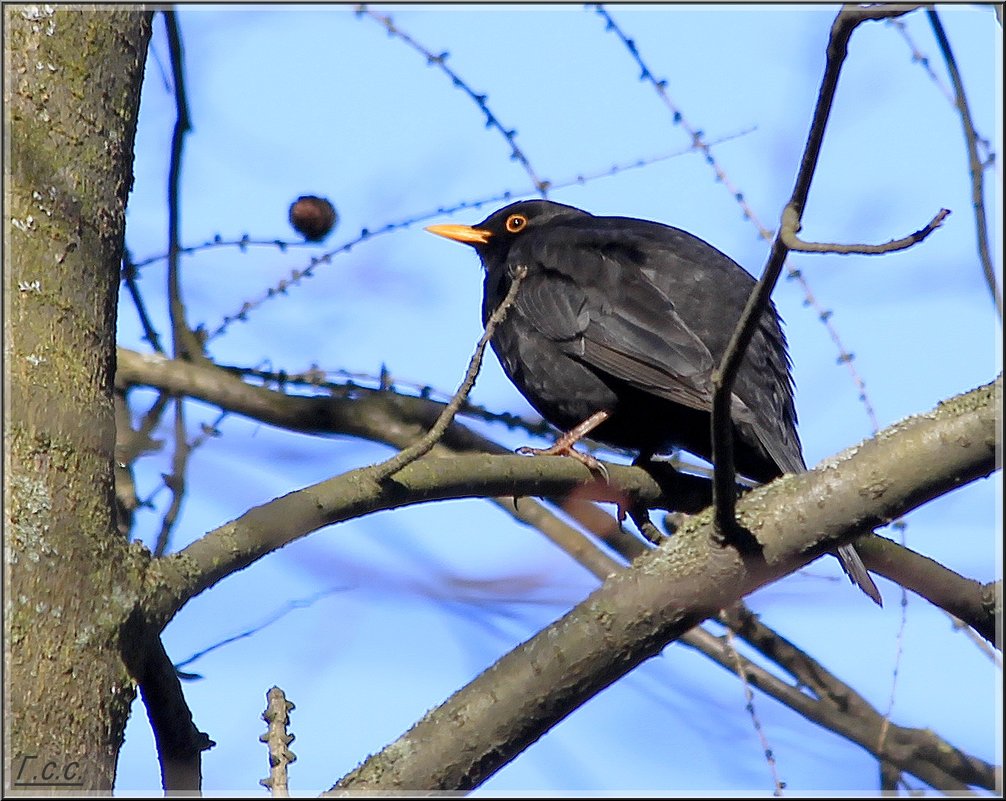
616,330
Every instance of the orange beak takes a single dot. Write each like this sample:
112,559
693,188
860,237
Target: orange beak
461,233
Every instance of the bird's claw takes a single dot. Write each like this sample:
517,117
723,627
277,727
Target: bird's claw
559,449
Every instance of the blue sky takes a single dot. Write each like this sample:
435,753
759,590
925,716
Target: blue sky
402,608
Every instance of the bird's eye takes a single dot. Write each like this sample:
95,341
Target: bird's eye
515,223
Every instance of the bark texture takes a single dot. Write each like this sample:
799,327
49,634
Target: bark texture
72,89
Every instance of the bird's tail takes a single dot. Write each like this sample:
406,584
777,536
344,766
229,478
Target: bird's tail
856,571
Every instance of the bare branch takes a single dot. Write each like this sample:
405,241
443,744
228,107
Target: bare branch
699,143
179,743
637,612
920,58
184,340
175,482
440,60
975,166
399,420
378,416
580,179
277,715
828,709
793,242
379,409
739,665
295,277
422,447
833,704
964,598
129,279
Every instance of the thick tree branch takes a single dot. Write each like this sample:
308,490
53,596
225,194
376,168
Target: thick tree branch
637,612
830,702
379,416
218,386
374,415
72,83
974,603
179,743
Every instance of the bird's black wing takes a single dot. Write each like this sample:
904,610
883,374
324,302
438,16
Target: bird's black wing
654,306
600,308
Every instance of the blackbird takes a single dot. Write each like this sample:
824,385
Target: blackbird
616,329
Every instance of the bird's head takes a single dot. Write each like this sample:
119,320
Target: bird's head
496,234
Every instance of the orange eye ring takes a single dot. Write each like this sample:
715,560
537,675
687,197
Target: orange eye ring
515,223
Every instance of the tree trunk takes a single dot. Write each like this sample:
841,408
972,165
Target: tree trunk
72,90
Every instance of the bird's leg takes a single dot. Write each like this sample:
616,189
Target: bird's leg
640,514
564,445
641,517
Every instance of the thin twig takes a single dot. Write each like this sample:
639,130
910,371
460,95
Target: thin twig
185,342
350,387
129,271
845,356
242,243
275,617
580,179
660,86
176,481
422,446
739,669
918,751
440,60
793,242
835,705
887,773
141,441
899,649
297,275
921,58
975,166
